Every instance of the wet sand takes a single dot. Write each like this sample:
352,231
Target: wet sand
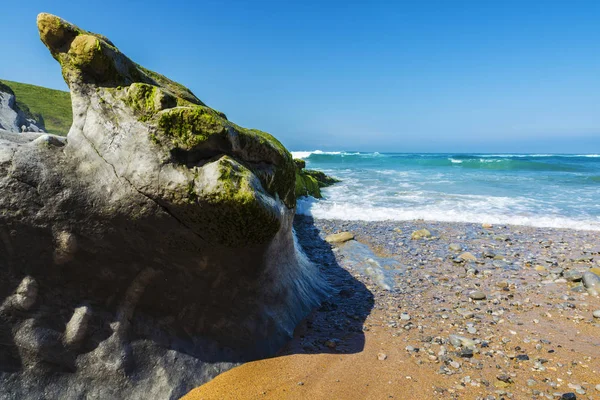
404,322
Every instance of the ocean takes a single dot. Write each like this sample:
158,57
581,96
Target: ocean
543,190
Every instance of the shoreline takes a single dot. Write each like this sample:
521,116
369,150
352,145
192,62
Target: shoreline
530,333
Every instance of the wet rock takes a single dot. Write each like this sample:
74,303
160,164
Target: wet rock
341,237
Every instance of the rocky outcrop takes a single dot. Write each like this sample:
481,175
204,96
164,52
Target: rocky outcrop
12,118
309,182
152,248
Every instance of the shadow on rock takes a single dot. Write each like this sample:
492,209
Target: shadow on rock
337,325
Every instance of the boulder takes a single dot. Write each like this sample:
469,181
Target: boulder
152,248
12,118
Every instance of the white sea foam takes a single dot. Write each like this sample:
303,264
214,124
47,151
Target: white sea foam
455,161
306,154
353,212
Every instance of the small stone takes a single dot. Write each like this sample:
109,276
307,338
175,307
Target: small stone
591,282
573,276
596,314
420,234
522,357
455,365
381,356
461,341
341,237
404,317
477,295
504,378
466,352
568,396
466,256
598,387
455,247
487,226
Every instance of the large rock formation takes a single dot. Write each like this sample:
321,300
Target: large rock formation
12,118
151,249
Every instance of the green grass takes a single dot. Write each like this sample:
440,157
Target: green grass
54,106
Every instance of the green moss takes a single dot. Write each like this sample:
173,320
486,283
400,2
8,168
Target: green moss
306,185
146,100
323,179
188,128
300,164
232,213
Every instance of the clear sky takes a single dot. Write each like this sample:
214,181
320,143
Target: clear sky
438,76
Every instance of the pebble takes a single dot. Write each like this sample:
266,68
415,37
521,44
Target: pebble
495,332
466,256
420,234
573,276
591,282
568,396
455,247
461,341
478,295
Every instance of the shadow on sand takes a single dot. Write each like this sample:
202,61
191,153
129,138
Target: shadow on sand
336,326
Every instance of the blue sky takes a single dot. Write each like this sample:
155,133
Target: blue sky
439,76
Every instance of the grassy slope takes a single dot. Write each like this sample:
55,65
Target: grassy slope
53,105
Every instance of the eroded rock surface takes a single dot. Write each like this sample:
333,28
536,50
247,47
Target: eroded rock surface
12,118
150,250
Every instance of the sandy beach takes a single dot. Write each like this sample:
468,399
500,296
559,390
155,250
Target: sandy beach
461,311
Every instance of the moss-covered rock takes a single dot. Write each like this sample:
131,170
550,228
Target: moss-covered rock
306,185
309,182
87,57
176,135
322,179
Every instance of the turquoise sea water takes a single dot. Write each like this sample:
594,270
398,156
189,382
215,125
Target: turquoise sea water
546,190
